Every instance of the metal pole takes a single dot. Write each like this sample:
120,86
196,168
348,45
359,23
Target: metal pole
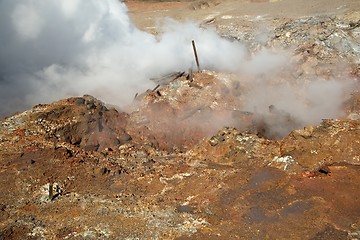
196,56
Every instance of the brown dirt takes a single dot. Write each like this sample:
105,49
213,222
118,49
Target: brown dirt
78,169
145,14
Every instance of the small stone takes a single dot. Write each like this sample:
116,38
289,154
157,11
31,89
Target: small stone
124,138
184,208
324,170
104,171
214,141
79,101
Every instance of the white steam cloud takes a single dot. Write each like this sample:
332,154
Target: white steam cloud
55,49
285,106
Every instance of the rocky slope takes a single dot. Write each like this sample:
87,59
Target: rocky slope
186,160
76,169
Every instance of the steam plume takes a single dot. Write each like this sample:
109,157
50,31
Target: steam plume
55,49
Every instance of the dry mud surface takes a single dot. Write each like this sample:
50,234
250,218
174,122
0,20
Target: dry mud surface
165,169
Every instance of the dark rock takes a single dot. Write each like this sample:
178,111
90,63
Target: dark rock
121,171
104,171
91,147
124,138
184,209
330,233
215,140
79,101
98,129
324,170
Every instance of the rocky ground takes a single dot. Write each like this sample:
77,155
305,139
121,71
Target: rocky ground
185,160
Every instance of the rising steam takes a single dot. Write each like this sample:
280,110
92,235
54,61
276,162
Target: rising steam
55,49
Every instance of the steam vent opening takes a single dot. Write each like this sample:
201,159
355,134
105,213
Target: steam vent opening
199,119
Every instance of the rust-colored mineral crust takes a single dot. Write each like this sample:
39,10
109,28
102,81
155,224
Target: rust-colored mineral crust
190,159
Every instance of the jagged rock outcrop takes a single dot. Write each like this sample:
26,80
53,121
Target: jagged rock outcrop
83,121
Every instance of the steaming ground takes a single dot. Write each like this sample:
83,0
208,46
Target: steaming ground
55,49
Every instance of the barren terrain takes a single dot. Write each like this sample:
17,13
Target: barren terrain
189,159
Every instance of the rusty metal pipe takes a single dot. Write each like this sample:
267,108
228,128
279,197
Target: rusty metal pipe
196,56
